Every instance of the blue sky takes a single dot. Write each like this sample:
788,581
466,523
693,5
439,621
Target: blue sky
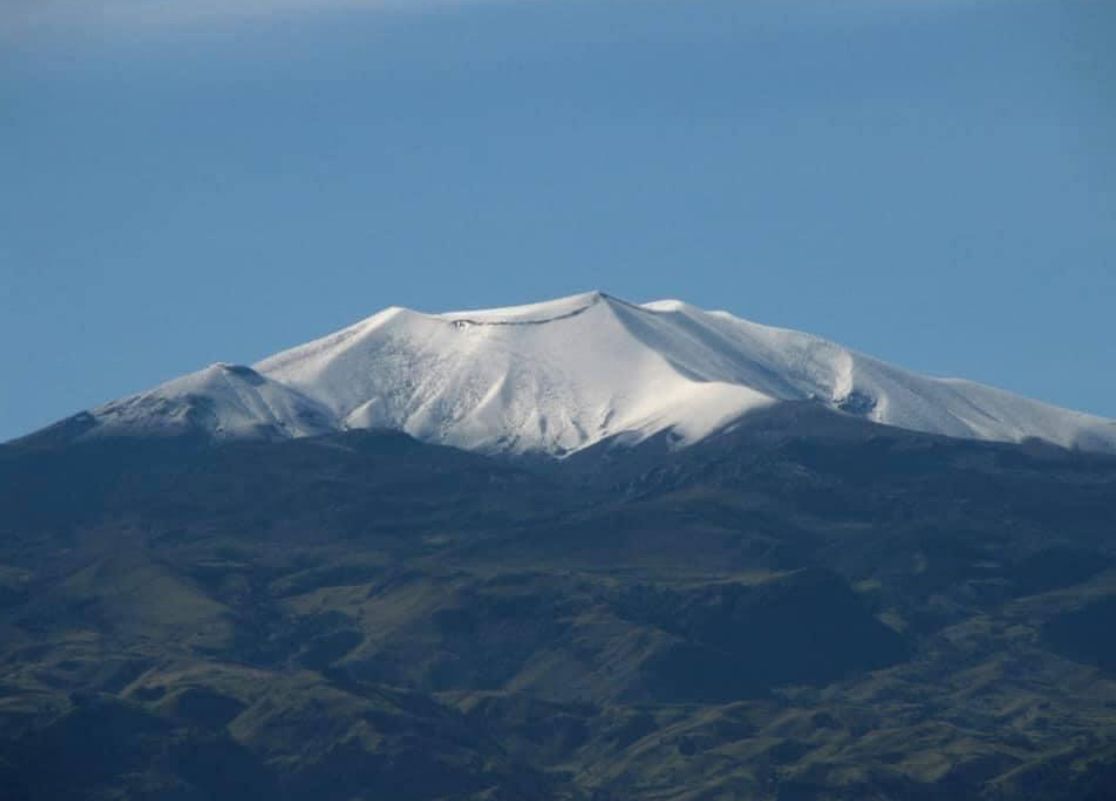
929,181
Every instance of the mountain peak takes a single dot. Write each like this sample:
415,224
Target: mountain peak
532,313
561,375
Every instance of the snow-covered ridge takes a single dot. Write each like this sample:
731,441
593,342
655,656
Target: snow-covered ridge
223,399
559,376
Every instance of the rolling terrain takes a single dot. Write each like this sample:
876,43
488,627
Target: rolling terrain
804,605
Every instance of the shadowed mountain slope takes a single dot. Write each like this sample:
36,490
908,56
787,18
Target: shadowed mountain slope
807,605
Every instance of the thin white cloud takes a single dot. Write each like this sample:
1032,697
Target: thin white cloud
27,18
35,16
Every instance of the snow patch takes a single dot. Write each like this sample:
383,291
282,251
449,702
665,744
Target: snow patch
559,376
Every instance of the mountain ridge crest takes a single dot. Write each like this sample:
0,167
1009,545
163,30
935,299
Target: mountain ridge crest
559,376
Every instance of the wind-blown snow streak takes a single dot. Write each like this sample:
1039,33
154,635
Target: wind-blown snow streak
560,376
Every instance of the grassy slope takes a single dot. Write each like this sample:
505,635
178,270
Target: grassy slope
803,609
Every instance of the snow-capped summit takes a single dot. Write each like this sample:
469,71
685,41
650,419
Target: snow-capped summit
559,376
223,400
551,376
